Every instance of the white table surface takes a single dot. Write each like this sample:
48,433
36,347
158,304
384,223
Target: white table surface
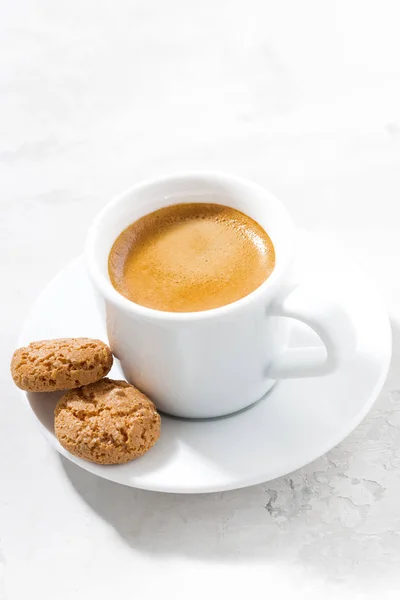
302,97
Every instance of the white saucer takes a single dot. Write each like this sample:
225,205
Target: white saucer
298,421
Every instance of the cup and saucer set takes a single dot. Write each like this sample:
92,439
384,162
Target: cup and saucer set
247,392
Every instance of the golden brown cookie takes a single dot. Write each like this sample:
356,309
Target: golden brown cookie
108,422
60,364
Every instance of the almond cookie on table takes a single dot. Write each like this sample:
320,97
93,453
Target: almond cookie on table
60,364
108,422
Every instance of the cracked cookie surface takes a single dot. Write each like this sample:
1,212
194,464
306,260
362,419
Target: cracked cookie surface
60,364
108,422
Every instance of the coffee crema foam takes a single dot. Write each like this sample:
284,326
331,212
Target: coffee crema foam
190,257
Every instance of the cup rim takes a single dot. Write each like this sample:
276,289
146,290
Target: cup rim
107,290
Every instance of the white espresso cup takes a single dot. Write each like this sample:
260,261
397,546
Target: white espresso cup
215,362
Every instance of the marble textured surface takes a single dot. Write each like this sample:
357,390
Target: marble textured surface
302,97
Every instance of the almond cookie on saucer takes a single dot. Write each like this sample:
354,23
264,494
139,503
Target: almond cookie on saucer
60,364
108,422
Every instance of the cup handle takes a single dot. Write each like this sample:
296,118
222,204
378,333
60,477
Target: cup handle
330,321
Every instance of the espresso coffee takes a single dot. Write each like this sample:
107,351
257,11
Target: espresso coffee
190,257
